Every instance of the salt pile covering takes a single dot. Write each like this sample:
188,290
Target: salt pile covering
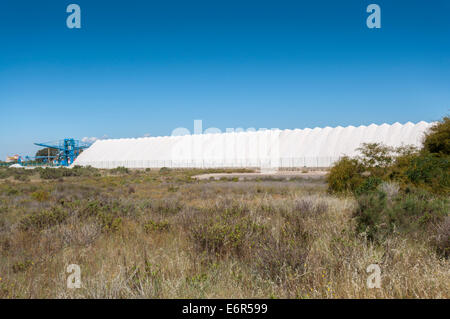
318,147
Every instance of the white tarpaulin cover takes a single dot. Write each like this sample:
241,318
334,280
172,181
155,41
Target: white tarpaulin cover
318,147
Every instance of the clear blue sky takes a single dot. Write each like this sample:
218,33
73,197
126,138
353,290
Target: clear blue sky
138,67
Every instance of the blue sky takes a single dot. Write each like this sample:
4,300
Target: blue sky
148,67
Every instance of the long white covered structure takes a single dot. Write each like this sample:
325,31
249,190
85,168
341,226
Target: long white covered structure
318,147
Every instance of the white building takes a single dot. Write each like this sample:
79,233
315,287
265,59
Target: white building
318,147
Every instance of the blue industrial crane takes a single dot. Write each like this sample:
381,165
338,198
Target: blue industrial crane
68,149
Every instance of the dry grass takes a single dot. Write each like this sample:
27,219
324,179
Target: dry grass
163,235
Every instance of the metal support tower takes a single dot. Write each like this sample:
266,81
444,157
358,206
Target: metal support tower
68,148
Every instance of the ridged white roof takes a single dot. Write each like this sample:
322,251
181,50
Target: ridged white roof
298,147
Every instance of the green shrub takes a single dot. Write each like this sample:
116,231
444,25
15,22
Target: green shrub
431,172
56,173
51,173
379,216
369,213
22,178
172,189
164,170
95,208
376,155
345,175
398,170
43,219
108,213
222,236
22,266
368,185
11,191
226,229
151,226
91,209
20,174
437,140
4,173
166,206
41,196
109,222
120,171
85,171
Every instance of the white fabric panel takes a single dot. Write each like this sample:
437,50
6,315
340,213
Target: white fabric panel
318,147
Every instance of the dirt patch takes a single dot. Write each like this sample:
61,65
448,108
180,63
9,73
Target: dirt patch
277,174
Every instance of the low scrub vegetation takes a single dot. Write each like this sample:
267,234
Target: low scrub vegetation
163,234
18,174
176,237
380,214
400,190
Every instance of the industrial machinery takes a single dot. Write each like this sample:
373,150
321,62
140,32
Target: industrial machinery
35,160
67,151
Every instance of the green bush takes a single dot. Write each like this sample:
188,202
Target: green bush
151,226
431,172
56,173
41,196
368,185
68,172
222,236
379,216
226,229
168,206
22,266
376,155
51,173
19,174
11,191
4,173
109,222
120,171
437,140
22,177
43,219
108,213
172,189
164,170
345,175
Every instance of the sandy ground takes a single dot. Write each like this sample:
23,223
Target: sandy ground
276,174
